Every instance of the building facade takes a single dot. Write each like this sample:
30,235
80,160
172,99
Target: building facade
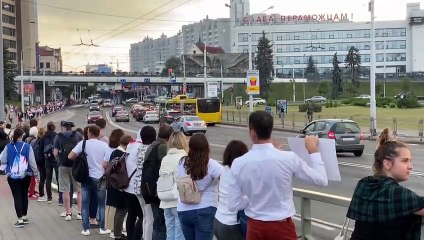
50,59
98,68
20,32
295,38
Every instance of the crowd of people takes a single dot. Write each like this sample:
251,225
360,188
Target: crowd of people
13,112
168,187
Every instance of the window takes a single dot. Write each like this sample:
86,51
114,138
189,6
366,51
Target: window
320,126
208,105
8,19
331,37
349,35
41,65
9,31
8,7
243,37
47,65
9,43
346,127
296,37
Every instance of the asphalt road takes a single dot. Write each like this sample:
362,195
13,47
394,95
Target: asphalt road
351,168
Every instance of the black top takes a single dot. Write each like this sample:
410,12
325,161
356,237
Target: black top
115,197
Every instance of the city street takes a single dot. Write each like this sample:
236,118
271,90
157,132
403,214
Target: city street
351,168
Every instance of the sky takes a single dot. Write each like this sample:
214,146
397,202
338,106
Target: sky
114,25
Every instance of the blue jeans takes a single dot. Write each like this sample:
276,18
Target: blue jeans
198,224
90,190
173,227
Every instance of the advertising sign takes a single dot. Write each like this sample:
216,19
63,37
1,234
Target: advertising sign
212,89
252,82
263,19
29,88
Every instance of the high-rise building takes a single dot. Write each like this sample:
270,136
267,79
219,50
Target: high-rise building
20,32
50,59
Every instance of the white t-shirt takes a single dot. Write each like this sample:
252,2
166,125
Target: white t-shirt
96,151
223,214
133,162
208,189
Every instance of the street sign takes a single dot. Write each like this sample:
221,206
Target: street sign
252,82
134,85
212,88
123,81
147,80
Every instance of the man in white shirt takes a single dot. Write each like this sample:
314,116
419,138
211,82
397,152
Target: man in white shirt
262,181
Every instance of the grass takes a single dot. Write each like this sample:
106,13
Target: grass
407,119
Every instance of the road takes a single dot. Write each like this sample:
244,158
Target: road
351,168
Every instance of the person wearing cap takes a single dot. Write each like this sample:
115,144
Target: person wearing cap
65,168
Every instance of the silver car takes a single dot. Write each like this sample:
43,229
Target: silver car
189,125
346,133
122,116
316,99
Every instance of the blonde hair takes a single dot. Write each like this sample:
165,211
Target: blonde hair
178,140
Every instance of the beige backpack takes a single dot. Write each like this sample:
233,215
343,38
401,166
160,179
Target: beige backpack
188,190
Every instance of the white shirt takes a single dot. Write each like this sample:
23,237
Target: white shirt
223,214
207,188
133,162
264,178
96,151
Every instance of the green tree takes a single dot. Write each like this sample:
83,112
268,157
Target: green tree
311,70
353,65
9,76
89,91
173,63
406,85
379,90
336,77
324,88
264,64
351,89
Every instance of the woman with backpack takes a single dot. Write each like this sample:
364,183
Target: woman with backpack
32,139
19,159
178,148
196,209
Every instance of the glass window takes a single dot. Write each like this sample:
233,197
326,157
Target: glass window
47,65
8,7
8,19
243,37
208,105
41,65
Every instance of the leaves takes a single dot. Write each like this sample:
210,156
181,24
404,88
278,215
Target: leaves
336,77
9,75
311,69
265,65
353,65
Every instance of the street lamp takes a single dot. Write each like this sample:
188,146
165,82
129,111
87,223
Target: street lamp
22,76
2,113
373,107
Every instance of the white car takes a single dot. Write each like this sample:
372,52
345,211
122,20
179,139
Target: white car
107,103
256,101
364,96
189,124
151,116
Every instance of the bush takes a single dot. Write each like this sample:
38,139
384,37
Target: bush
360,102
384,101
347,101
336,104
392,105
327,105
304,107
410,102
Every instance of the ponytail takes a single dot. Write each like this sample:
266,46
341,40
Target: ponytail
387,149
18,133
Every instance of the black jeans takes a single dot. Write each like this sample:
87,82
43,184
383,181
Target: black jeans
134,226
19,188
42,169
49,177
159,227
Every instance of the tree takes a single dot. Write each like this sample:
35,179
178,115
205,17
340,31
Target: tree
336,77
173,63
353,65
311,69
406,85
9,76
324,88
351,89
264,64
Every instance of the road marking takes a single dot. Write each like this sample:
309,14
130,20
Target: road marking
367,167
319,223
116,125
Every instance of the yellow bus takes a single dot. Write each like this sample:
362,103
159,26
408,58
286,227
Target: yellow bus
207,109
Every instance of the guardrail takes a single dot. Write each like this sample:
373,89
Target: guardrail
306,197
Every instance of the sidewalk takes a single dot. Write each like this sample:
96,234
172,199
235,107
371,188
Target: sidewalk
45,220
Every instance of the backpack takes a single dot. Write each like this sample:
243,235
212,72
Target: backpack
117,174
19,167
167,186
68,144
48,148
80,168
34,142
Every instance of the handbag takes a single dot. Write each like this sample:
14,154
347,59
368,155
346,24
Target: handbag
344,232
102,183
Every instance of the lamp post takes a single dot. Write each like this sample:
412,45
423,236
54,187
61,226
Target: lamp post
2,113
22,77
373,107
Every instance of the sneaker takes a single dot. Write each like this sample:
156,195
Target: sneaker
68,217
19,224
79,217
25,220
60,204
112,235
63,214
33,197
103,232
85,232
49,201
42,199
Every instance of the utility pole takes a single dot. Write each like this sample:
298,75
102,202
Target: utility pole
373,107
184,77
2,103
204,70
250,68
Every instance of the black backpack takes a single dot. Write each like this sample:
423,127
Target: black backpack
80,167
35,144
66,147
116,172
48,148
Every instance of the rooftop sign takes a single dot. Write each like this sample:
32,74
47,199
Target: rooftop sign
284,19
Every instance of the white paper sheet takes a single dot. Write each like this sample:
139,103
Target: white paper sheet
327,148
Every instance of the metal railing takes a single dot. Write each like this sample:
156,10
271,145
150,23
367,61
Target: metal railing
306,197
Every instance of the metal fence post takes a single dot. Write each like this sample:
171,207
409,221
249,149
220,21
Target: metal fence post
421,129
293,121
240,116
372,127
395,127
306,221
233,116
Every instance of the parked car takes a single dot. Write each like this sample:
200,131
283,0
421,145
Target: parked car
151,116
169,116
122,116
131,100
107,103
364,96
256,101
189,125
346,133
404,95
316,99
93,116
116,109
94,107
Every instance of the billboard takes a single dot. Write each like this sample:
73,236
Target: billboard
29,88
252,82
212,88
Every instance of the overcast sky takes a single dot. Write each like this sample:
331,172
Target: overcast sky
58,26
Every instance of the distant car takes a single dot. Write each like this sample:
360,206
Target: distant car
151,116
131,100
138,114
107,103
116,109
93,116
94,102
122,116
404,95
316,99
189,125
94,107
160,99
256,101
364,96
346,133
169,116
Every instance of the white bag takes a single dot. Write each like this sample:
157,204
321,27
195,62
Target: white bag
344,232
167,186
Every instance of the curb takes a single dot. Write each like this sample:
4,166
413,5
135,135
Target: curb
297,131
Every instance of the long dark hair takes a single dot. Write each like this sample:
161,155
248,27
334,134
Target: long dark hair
18,133
387,149
115,138
196,162
234,149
